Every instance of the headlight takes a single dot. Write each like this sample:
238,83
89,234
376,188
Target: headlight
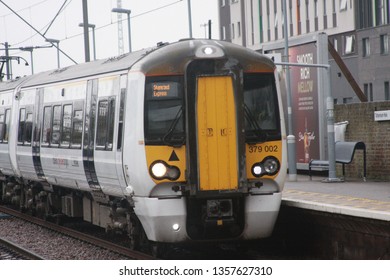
269,166
161,170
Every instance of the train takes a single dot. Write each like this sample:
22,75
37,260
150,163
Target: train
181,142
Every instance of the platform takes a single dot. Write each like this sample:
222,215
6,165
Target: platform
357,198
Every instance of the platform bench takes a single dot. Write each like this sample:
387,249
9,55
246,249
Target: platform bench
344,152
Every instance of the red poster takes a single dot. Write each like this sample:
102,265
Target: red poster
304,102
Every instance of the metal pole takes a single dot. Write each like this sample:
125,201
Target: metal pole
94,42
189,18
331,143
210,29
292,163
86,37
58,55
7,61
128,26
32,62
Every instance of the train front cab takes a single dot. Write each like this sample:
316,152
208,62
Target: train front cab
220,152
236,123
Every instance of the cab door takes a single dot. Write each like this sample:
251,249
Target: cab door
216,134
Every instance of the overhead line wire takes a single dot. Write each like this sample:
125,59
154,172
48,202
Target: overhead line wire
1,1
55,17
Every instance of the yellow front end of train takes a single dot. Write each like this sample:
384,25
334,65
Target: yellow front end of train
214,144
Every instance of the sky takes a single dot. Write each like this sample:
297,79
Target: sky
152,21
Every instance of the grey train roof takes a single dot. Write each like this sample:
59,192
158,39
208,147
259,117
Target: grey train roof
182,50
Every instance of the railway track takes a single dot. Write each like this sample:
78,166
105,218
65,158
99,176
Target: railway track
106,245
12,251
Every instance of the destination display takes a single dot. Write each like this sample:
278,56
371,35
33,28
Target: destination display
162,90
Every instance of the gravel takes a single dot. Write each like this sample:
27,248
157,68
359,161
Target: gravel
51,245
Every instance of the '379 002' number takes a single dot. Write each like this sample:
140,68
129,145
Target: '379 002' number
260,149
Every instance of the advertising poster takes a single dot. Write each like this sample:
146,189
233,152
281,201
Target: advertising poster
304,101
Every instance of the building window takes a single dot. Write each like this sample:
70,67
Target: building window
307,17
381,12
238,29
276,19
233,32
335,44
387,91
384,41
349,44
343,5
316,15
299,23
347,100
368,91
223,33
268,22
366,47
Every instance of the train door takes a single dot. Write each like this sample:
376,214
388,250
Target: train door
25,133
217,134
107,152
5,121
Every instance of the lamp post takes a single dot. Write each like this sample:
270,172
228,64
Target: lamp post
93,37
57,42
128,12
189,18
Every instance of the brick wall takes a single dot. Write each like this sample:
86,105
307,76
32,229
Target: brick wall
376,136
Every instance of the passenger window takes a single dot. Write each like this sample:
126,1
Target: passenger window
22,122
28,129
2,127
46,133
66,126
56,126
102,124
105,124
111,122
77,132
121,116
6,129
25,127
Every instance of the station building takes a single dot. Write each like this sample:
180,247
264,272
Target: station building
358,29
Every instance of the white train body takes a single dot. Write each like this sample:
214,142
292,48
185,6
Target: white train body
87,141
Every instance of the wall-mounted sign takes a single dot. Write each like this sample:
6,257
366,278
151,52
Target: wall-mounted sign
382,116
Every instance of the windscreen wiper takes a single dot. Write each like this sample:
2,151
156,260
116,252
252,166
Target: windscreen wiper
260,135
168,137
